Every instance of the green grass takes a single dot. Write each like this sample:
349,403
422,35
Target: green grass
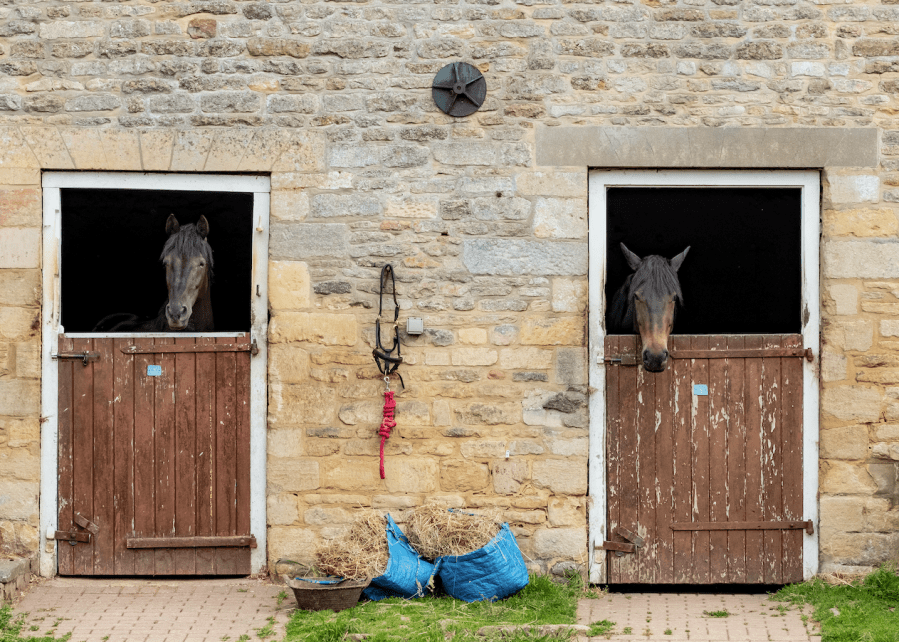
721,613
542,601
11,628
603,627
868,609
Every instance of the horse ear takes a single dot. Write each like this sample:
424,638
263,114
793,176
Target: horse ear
677,260
171,225
203,227
632,259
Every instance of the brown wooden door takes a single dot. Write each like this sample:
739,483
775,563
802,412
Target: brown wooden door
157,466
711,483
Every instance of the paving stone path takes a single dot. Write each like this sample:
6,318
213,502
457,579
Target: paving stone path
677,617
201,610
223,610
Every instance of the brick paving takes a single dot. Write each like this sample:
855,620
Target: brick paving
677,617
217,610
136,610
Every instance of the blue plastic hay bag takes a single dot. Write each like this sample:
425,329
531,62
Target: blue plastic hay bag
407,574
492,572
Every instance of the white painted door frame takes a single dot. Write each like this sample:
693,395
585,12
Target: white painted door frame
599,181
52,182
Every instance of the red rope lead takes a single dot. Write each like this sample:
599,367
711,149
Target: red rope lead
387,424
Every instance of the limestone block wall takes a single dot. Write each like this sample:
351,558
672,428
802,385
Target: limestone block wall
333,99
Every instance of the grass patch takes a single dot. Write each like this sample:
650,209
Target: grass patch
866,610
721,613
11,628
542,601
603,627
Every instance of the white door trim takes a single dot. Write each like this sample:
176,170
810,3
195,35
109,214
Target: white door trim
52,182
599,181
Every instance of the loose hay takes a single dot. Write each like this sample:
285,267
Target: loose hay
359,553
434,531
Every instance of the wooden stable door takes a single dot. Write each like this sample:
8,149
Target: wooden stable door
154,456
705,461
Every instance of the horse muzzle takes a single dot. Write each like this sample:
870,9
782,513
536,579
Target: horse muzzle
178,318
655,361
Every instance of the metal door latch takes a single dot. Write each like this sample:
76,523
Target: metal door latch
634,542
73,536
86,357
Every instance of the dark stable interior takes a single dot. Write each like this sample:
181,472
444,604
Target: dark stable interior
743,272
111,245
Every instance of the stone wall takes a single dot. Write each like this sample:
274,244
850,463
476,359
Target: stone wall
333,98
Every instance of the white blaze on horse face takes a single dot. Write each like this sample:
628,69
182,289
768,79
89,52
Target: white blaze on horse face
185,280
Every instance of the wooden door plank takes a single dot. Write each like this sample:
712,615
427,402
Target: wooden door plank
123,481
165,456
627,455
83,454
719,419
683,461
65,482
144,502
664,480
103,465
700,465
613,436
754,490
205,461
185,455
736,463
242,385
772,466
791,374
645,559
226,459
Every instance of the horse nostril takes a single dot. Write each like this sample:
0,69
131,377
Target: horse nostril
664,354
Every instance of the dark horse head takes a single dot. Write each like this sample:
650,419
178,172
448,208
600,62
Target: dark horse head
646,304
187,258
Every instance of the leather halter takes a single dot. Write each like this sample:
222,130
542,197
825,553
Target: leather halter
388,360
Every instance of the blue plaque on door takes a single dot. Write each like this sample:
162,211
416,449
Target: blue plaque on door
154,371
700,389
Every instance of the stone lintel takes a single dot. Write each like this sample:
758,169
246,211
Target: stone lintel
707,147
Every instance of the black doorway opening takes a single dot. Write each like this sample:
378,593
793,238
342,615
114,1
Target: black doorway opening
112,240
743,274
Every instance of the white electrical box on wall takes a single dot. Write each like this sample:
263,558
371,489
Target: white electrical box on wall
415,325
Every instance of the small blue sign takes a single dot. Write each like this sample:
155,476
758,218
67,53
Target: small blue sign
154,371
700,389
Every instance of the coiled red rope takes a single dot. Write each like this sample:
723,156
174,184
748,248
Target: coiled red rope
387,424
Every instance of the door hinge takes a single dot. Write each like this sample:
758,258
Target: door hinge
86,357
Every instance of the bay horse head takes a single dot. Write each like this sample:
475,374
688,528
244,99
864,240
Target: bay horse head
653,293
187,258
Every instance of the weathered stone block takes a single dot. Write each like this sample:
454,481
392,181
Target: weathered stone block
525,358
20,247
566,511
554,331
852,403
473,357
843,478
287,364
281,509
861,259
458,475
407,475
300,404
861,222
561,476
289,287
302,241
570,543
490,414
560,218
292,543
853,189
508,476
848,442
508,257
316,327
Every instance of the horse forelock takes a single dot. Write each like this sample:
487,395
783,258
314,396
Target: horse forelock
187,242
657,279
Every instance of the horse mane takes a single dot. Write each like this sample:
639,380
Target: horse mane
658,277
185,241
